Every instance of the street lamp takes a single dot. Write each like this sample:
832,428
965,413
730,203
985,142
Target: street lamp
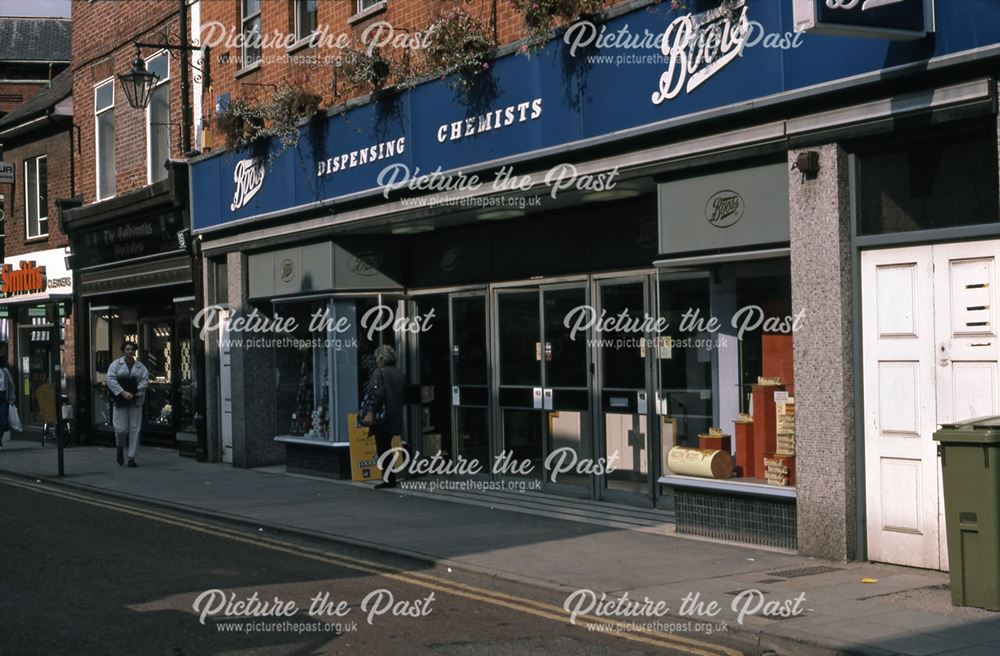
139,82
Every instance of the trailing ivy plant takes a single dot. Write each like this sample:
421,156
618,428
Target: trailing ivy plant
366,69
460,44
539,16
247,124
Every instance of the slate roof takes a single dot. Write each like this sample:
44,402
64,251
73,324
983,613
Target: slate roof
38,104
34,39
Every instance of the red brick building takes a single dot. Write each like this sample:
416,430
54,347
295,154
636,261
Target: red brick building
36,285
32,52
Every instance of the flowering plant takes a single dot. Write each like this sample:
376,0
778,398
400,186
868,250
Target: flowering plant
247,122
539,15
458,43
366,68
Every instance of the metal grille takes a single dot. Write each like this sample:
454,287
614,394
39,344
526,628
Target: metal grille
753,520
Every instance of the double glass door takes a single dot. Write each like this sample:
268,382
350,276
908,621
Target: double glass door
547,381
544,418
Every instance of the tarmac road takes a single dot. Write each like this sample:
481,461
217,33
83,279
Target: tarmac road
83,574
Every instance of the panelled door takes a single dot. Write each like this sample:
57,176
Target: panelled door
930,357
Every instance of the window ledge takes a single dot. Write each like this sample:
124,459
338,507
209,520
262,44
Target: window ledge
35,240
246,70
301,44
309,441
732,486
376,8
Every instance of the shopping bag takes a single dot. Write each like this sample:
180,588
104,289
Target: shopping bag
4,438
13,418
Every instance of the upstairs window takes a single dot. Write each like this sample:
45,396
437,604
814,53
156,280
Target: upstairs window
364,5
36,197
305,18
251,32
104,138
158,119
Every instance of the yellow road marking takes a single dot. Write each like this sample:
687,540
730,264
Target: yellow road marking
453,588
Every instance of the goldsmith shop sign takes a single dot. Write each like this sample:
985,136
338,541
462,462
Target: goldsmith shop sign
700,45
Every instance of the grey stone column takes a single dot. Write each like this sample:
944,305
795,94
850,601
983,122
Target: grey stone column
253,385
819,218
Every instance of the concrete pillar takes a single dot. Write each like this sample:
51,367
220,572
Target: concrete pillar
253,385
824,378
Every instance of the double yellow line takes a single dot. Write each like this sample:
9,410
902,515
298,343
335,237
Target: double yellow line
524,605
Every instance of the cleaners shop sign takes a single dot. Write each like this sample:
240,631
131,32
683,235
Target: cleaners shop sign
35,276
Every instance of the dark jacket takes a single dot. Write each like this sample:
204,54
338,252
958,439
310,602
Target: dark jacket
388,389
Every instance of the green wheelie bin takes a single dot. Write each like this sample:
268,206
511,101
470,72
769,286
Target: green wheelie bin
970,462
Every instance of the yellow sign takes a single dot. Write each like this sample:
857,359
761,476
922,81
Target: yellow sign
364,452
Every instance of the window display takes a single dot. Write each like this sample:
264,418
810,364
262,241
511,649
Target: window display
729,386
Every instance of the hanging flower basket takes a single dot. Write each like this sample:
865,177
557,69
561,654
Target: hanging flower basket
367,70
540,15
458,43
247,124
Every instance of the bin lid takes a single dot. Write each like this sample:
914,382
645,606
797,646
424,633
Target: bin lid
981,430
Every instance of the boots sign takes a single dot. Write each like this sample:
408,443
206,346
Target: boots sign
881,19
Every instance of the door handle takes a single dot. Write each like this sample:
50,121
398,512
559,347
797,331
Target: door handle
944,358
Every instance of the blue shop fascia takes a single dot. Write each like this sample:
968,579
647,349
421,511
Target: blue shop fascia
609,249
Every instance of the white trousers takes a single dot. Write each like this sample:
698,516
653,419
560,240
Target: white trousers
127,420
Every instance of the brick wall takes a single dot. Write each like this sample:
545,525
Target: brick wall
103,33
13,94
278,63
56,147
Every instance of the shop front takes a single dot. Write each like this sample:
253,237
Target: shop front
37,294
594,343
134,283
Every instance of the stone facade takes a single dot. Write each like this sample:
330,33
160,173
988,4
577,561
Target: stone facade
819,221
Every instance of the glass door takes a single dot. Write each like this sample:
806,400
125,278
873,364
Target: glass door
519,389
622,353
566,374
470,389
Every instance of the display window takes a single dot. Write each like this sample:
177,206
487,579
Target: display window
324,366
725,368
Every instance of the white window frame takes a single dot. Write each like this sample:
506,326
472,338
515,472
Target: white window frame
244,19
299,36
97,137
149,115
364,5
28,219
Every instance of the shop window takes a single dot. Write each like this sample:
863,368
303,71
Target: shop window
726,367
305,18
36,197
322,374
104,111
158,119
250,17
156,352
937,179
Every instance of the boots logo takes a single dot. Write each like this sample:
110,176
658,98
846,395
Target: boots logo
28,279
249,178
724,209
287,270
449,261
366,264
700,45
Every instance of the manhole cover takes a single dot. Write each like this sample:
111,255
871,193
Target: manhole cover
804,571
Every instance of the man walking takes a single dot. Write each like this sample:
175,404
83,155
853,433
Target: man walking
127,381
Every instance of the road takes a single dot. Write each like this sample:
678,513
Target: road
85,574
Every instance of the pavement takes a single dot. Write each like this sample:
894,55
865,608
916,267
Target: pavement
836,607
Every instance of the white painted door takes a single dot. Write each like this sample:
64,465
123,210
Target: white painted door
225,388
931,357
966,294
901,466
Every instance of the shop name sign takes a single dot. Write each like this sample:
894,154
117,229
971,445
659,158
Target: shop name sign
28,279
698,46
6,172
883,19
249,178
724,209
